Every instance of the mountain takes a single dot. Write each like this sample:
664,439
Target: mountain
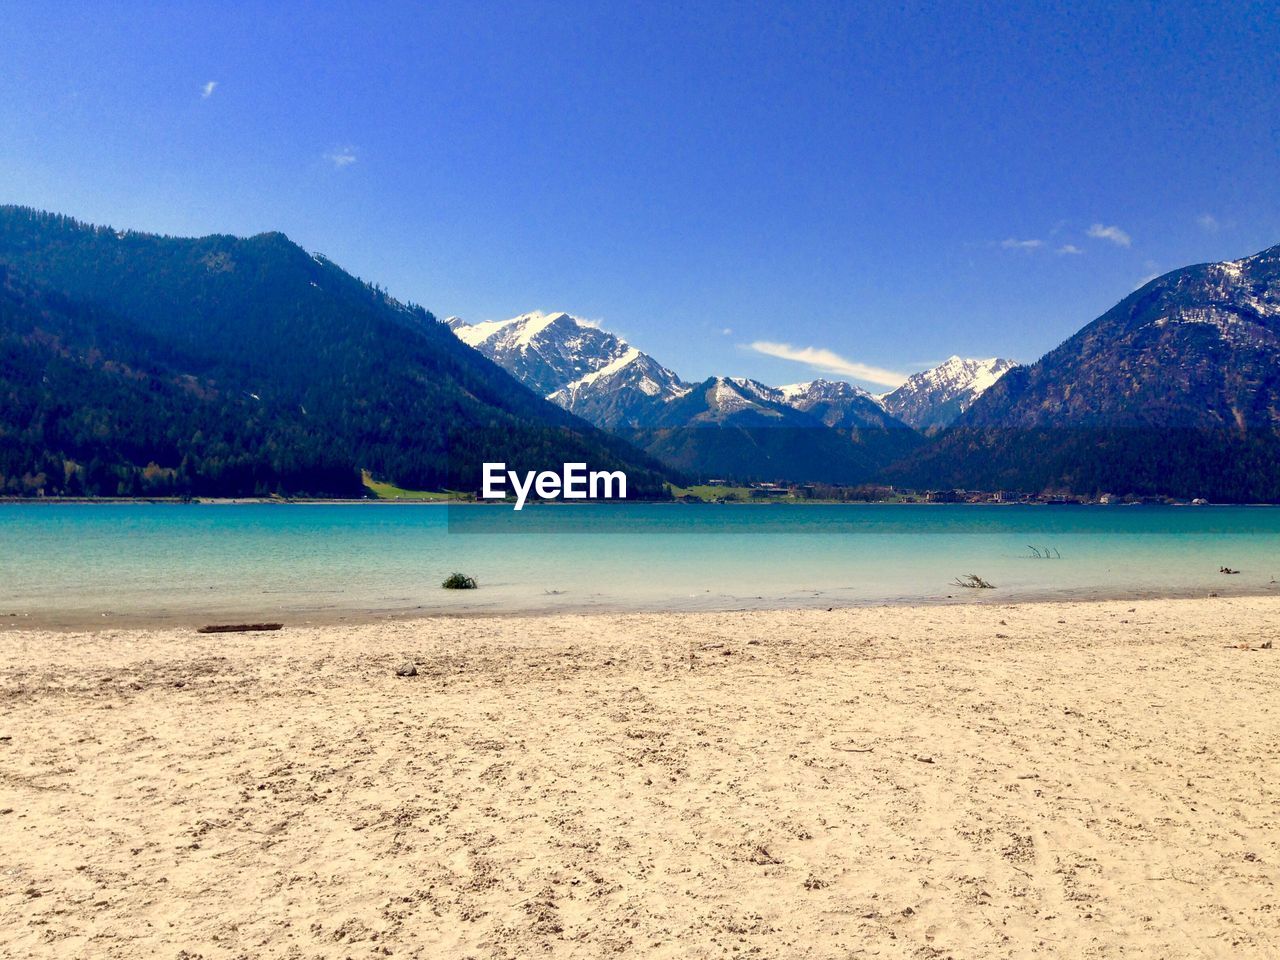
838,404
631,391
599,376
244,366
740,428
575,364
733,401
93,406
723,427
933,399
831,403
1175,390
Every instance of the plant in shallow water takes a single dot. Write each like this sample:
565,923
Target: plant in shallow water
459,581
973,581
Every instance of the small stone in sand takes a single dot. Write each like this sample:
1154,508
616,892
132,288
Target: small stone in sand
407,669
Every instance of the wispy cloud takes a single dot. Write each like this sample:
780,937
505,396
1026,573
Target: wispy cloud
1015,244
1117,236
1070,249
727,331
341,157
1208,222
829,361
207,90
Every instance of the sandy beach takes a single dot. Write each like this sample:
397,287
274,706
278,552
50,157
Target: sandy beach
1061,780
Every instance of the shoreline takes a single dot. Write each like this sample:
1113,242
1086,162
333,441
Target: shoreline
111,621
674,501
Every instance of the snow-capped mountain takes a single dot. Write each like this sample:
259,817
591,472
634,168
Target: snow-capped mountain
833,403
837,404
736,427
627,392
544,351
824,430
574,363
600,377
931,400
734,401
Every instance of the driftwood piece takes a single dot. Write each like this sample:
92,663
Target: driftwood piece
239,627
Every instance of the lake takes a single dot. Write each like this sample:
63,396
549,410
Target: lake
134,563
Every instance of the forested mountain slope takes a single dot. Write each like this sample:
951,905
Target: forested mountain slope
306,373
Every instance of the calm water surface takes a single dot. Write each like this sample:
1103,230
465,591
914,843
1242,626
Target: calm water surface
74,563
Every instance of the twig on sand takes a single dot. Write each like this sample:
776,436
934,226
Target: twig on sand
239,627
1173,876
852,749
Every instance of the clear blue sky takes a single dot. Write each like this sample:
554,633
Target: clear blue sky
893,184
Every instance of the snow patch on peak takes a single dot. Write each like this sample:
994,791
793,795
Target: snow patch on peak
821,389
628,357
477,333
963,374
987,373
752,388
790,391
726,394
532,324
935,397
527,327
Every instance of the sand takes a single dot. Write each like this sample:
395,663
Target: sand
1047,780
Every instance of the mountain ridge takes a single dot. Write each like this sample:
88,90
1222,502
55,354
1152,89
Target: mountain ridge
604,379
251,366
577,367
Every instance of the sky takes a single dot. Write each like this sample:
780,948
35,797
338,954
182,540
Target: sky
776,190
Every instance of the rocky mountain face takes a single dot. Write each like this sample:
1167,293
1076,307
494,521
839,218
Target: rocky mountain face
1175,390
933,399
1197,347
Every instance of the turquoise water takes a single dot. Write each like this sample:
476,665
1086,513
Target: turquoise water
74,563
